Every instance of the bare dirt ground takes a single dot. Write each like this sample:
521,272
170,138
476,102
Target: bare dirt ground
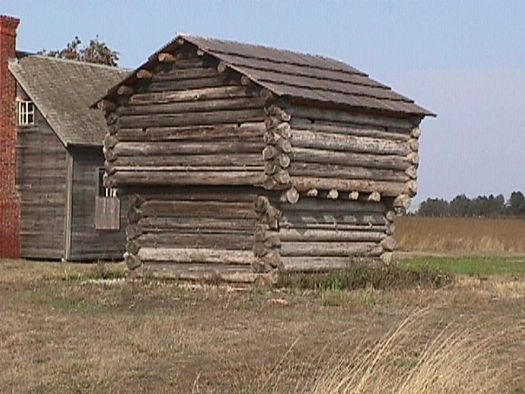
62,333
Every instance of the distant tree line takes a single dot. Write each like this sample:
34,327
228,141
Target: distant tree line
462,206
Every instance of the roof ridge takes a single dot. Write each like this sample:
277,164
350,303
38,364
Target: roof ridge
72,61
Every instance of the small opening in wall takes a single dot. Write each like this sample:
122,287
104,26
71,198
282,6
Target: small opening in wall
25,112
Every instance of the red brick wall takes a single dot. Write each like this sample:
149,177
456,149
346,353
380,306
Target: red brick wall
9,201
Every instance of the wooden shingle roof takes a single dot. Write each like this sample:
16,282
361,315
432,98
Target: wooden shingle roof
300,76
63,90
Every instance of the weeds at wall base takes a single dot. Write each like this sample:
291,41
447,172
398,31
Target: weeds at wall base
363,276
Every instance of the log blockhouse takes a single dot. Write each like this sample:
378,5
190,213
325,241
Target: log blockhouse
244,160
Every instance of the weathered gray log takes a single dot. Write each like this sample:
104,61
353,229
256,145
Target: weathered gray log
318,208
132,261
304,184
310,225
192,160
168,148
201,272
199,224
282,177
309,155
342,128
410,188
271,168
278,112
194,118
193,106
246,131
197,208
270,152
415,132
333,194
133,231
291,195
191,95
312,193
315,264
125,90
272,258
283,129
413,145
390,216
347,143
388,244
221,241
109,141
107,105
353,118
374,196
413,158
390,229
201,255
345,172
109,154
402,201
167,58
353,195
330,249
283,160
194,83
177,73
184,178
144,74
411,172
316,235
184,169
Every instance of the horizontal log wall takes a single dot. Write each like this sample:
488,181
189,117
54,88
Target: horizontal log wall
321,234
192,233
184,123
363,156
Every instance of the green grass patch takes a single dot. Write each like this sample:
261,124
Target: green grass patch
362,276
469,265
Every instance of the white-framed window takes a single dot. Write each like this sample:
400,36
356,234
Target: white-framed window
104,191
26,112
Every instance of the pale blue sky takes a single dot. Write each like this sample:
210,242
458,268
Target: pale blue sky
464,60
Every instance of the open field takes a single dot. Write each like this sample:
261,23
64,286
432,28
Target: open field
461,235
62,330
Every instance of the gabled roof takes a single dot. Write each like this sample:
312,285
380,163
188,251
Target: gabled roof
299,76
63,90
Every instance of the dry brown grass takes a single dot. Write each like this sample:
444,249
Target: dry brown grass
453,359
61,334
461,235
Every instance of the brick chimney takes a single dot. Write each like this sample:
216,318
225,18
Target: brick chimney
9,201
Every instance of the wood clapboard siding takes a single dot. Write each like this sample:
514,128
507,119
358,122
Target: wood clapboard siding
188,124
321,234
193,232
87,243
41,174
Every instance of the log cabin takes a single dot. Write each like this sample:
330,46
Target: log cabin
243,161
53,204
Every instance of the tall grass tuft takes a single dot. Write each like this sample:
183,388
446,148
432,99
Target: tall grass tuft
410,360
